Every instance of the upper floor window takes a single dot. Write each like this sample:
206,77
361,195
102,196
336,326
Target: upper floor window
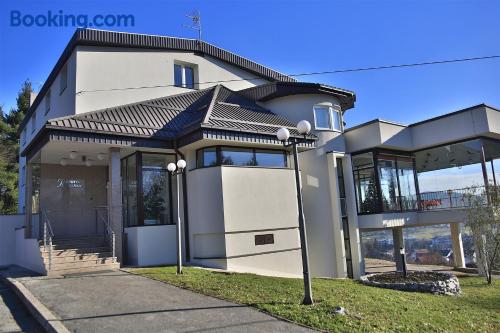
238,156
184,76
33,122
63,79
23,136
326,118
47,102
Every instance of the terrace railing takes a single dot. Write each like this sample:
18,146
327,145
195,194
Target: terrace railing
448,199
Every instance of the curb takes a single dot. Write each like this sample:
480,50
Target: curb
43,316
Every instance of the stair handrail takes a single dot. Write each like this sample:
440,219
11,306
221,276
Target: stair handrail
107,228
48,234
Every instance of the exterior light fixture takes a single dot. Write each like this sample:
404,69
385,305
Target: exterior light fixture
72,155
100,156
181,164
63,162
88,163
283,134
172,167
304,127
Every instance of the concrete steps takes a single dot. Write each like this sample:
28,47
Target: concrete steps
78,255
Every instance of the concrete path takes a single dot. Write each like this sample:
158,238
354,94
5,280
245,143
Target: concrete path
14,317
117,301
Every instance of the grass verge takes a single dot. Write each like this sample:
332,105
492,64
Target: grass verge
369,309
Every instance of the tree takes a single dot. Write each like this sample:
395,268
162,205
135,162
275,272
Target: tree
9,149
483,219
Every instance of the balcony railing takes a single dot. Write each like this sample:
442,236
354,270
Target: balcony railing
448,199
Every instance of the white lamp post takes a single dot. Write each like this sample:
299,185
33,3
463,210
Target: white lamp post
171,167
283,134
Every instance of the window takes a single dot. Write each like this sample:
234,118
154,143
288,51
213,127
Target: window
184,76
33,122
327,118
384,182
23,136
63,79
213,156
147,189
47,102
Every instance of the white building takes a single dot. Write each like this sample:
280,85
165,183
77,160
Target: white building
118,107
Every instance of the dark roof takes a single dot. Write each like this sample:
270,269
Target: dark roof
171,117
273,90
91,37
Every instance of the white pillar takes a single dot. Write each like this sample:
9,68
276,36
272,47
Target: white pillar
115,198
457,245
398,241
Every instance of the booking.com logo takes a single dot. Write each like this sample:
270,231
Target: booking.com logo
60,19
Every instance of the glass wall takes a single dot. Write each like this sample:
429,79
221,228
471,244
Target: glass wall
147,189
384,182
366,183
239,156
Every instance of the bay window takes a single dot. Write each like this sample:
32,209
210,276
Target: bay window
327,118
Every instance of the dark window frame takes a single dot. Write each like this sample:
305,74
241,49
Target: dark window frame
218,154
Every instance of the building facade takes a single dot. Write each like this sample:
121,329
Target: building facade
119,107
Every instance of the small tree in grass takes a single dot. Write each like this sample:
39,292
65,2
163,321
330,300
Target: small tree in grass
483,219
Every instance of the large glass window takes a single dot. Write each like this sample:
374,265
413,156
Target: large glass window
238,156
366,183
147,189
388,182
156,189
384,182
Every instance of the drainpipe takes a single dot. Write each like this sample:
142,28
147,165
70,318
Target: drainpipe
185,204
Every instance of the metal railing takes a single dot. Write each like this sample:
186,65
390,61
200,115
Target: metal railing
448,199
108,231
48,234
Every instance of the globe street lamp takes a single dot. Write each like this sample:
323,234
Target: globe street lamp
171,167
283,134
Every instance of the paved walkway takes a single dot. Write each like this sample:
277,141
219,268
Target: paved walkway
117,301
14,317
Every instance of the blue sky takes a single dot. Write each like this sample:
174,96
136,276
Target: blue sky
303,36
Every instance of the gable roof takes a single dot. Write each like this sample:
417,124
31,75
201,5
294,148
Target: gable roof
92,37
172,117
266,92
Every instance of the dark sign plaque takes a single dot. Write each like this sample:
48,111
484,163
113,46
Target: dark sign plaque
264,239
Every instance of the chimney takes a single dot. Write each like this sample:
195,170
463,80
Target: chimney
32,97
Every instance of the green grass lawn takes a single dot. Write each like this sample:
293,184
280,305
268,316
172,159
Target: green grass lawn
369,309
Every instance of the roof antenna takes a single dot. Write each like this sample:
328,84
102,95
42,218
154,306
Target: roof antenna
195,17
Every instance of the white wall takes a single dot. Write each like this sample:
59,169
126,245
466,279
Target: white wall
28,253
151,245
105,68
300,107
8,226
229,206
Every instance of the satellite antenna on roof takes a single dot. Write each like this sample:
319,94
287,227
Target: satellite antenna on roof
195,17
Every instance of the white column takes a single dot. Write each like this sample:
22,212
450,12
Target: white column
115,198
358,263
457,245
398,241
